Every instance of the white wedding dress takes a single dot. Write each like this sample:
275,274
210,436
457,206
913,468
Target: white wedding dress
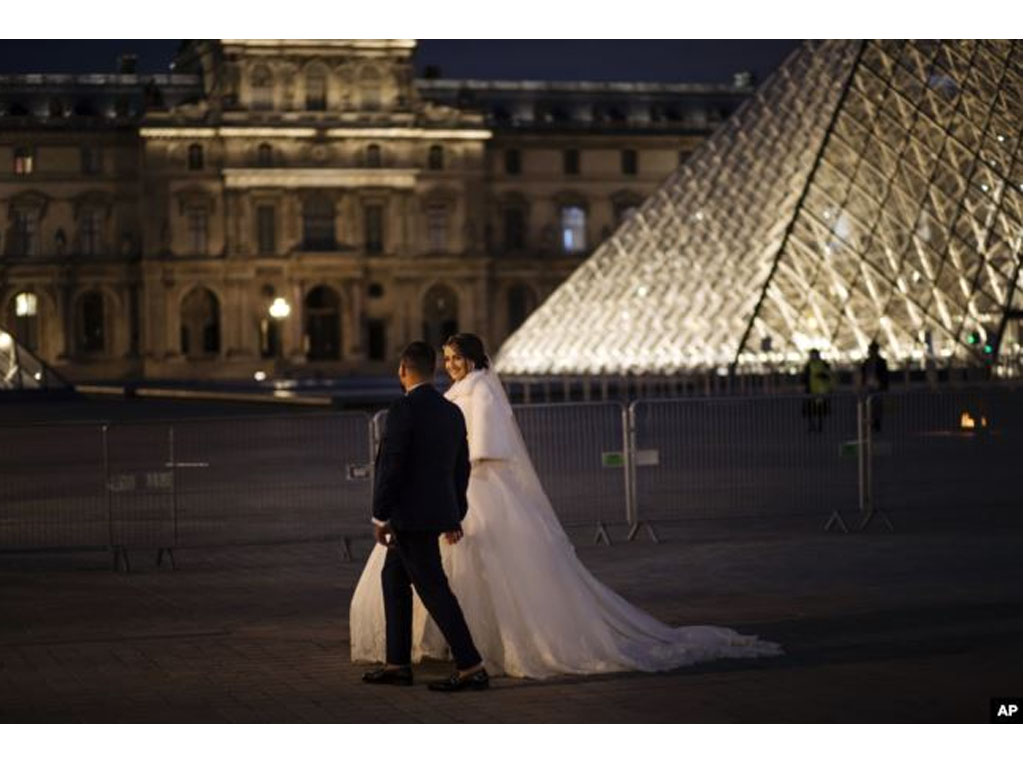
532,607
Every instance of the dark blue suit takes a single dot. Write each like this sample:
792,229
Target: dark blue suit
420,481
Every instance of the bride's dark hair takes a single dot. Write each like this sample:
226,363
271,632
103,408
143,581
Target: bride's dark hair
470,347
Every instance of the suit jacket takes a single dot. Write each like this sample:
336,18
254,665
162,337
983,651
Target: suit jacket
422,467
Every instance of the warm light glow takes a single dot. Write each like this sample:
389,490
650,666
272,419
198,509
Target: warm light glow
468,134
966,421
25,305
280,309
260,376
348,178
6,342
744,243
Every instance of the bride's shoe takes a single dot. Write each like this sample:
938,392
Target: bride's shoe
477,681
389,676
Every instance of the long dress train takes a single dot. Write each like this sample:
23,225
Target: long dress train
533,609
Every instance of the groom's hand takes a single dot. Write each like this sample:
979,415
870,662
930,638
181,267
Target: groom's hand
382,533
453,537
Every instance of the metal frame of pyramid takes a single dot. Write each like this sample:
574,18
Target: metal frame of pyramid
20,369
869,191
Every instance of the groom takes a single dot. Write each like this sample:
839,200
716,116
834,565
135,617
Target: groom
419,493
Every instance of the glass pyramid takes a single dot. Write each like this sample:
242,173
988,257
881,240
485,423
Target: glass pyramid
21,369
867,191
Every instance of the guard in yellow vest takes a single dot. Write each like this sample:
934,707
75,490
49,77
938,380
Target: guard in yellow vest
818,385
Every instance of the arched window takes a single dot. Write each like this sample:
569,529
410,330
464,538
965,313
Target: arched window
24,310
316,90
91,316
264,155
440,315
262,89
373,156
574,228
435,158
323,324
318,224
200,324
521,302
195,157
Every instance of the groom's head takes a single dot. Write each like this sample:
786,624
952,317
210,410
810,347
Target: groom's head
416,364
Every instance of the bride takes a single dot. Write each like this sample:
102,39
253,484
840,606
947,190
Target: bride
532,607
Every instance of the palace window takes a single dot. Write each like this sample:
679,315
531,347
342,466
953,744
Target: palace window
316,90
262,89
370,89
92,323
513,162
195,157
92,160
374,228
521,302
377,345
373,156
197,222
318,224
574,229
515,229
89,231
264,155
24,161
628,162
266,240
571,162
435,159
437,228
24,232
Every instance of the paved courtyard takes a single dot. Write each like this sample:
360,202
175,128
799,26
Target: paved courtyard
924,625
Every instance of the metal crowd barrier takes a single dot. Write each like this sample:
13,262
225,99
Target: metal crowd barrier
578,451
163,485
156,485
741,457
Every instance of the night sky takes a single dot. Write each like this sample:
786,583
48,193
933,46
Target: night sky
652,60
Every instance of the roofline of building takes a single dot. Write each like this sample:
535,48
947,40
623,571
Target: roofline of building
584,86
551,86
100,79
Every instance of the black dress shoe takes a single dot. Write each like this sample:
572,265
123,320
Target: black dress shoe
478,681
392,676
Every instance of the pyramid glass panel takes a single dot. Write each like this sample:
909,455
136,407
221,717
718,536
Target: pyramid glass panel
869,191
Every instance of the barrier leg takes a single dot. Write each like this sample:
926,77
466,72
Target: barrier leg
169,551
346,548
643,524
602,535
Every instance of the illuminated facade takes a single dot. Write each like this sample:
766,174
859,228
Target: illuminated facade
868,191
308,205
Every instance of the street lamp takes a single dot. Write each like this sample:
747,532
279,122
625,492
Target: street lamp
278,311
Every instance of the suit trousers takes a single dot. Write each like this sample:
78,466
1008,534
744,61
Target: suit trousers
415,561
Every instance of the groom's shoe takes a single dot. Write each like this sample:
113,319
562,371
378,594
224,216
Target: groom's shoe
389,676
477,681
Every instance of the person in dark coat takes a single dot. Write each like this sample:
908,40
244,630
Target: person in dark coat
419,494
874,376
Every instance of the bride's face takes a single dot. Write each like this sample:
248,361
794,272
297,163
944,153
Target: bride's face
455,364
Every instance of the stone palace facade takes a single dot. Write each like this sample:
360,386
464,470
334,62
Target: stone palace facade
306,207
